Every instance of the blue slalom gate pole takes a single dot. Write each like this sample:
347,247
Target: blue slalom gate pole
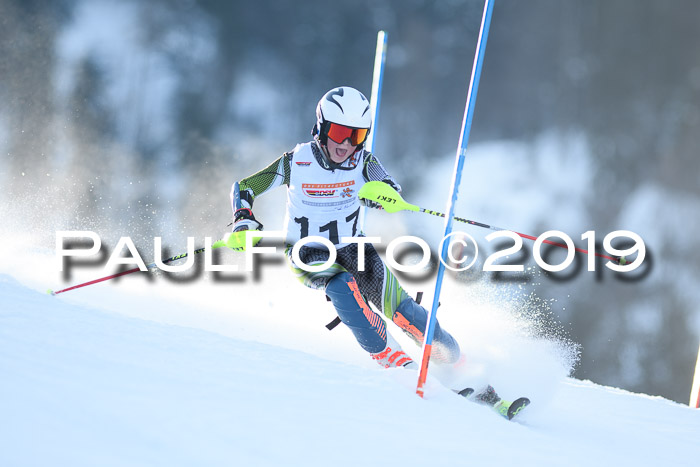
377,79
456,179
375,99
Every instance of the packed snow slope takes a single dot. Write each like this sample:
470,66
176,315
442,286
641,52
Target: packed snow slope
146,372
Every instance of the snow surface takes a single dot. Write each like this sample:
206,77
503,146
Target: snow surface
152,372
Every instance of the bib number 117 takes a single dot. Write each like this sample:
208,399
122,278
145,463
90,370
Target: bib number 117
331,227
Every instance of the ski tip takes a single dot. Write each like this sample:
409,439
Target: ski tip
50,292
517,406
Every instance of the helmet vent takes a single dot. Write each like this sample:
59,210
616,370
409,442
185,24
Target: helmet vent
330,97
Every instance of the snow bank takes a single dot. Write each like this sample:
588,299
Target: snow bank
83,386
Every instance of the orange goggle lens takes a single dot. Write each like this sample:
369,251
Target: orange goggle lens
340,133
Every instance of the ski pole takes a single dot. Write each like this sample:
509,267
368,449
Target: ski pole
391,201
216,244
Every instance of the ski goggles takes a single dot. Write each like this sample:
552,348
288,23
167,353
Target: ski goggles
340,133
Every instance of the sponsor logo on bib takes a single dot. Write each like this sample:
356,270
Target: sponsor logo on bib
328,190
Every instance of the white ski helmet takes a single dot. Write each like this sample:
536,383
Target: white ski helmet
345,106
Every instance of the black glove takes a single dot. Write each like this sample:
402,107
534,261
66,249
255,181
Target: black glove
393,184
370,204
243,219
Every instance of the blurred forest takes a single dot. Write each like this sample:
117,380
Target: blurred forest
145,112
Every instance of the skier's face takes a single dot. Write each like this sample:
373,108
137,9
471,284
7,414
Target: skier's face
340,152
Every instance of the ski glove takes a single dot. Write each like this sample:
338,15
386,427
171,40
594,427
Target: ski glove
243,219
370,204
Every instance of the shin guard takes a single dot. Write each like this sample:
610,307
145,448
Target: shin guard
367,326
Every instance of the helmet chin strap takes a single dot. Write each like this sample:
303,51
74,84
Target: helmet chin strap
327,158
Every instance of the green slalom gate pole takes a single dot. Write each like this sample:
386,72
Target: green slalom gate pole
456,179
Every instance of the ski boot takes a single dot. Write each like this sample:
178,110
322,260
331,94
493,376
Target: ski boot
392,356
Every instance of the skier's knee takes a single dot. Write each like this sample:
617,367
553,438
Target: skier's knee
413,320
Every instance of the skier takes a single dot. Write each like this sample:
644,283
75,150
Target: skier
323,177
